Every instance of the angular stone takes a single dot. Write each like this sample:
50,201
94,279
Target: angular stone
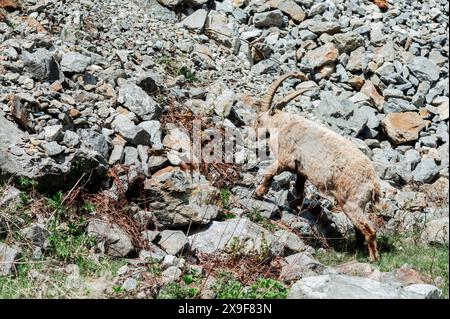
74,62
425,171
196,20
403,127
292,9
172,241
268,19
130,132
8,255
139,102
178,201
240,233
41,65
321,56
117,242
424,69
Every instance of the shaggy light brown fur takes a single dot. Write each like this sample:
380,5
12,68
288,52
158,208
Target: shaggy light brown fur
329,161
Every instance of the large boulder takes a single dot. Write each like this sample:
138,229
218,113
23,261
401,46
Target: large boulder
335,286
177,200
238,235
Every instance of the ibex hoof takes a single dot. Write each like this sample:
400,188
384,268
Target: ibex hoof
260,192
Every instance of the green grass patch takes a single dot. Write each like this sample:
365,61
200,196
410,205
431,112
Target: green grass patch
176,291
228,287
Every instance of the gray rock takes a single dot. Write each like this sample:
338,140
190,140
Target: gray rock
94,141
132,133
177,201
388,74
154,129
74,62
116,242
54,149
117,155
268,19
8,255
153,253
41,65
238,233
424,291
349,41
300,265
139,102
292,9
265,67
221,30
131,156
170,3
341,114
71,139
424,69
171,274
37,235
291,241
436,232
334,286
130,284
397,105
10,197
53,133
320,26
196,20
425,171
172,241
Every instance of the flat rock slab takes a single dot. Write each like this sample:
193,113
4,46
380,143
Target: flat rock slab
334,286
239,232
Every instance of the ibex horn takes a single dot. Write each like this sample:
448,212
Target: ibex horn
267,101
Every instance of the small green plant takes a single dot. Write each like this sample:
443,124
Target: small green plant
26,182
176,291
267,288
236,248
191,276
118,289
255,216
56,201
227,287
165,60
188,74
88,207
225,195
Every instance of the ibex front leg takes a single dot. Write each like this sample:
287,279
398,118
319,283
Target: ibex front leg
270,172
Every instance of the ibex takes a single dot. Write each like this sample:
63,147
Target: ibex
315,153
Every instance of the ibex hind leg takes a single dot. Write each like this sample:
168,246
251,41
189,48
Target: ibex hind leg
300,190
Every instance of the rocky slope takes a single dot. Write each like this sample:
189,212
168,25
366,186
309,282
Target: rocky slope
95,97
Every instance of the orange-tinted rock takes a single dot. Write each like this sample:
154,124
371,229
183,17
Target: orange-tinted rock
403,127
371,91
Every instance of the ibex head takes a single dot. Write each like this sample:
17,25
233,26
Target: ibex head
264,119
